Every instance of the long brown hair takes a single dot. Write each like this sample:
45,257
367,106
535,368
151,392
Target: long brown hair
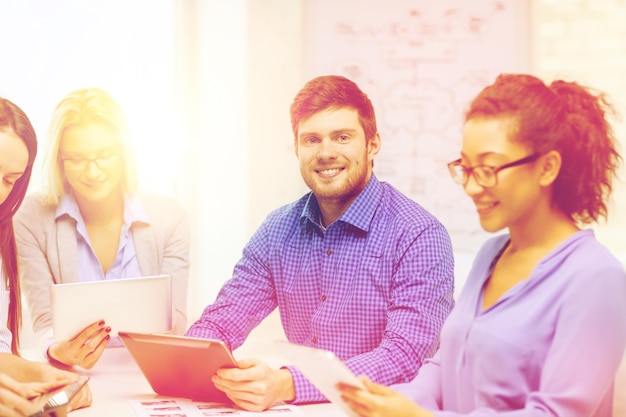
13,119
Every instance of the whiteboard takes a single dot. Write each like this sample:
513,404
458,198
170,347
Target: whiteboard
420,62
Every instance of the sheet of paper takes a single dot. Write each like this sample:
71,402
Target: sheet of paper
157,406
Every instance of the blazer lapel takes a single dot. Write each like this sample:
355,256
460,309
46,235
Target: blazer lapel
67,251
146,249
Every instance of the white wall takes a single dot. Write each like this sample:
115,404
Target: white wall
52,48
214,174
585,40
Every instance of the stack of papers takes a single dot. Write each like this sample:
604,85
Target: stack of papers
153,406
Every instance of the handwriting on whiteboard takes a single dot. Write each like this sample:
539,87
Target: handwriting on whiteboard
420,62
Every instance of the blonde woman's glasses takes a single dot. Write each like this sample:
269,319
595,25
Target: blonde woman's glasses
485,175
79,164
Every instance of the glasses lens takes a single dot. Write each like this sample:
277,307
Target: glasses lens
106,162
75,164
457,172
485,176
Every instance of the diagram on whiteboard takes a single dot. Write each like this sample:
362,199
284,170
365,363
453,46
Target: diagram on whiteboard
420,62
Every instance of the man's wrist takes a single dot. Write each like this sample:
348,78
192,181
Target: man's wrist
288,393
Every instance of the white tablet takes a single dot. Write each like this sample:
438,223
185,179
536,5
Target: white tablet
142,304
323,369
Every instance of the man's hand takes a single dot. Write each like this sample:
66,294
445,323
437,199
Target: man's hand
84,349
254,385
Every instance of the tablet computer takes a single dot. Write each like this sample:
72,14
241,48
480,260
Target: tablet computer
323,369
179,366
142,304
54,403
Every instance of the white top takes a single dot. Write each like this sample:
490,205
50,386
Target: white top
5,333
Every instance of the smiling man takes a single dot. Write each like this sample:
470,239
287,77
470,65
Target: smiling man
353,266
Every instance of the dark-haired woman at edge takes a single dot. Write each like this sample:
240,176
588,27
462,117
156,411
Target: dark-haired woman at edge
20,379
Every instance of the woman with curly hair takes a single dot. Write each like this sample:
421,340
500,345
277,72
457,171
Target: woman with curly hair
540,326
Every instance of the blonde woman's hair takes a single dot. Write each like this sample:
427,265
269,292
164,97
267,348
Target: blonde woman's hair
79,108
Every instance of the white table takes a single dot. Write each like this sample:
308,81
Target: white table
116,379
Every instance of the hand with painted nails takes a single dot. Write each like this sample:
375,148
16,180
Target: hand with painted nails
84,349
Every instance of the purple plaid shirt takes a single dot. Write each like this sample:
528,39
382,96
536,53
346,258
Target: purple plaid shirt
374,288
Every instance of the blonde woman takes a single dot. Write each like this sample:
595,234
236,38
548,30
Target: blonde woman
90,223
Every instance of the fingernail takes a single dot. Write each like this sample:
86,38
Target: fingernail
108,329
107,337
101,323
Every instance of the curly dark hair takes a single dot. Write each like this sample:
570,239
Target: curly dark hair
566,117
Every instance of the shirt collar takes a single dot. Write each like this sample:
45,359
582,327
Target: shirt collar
134,210
360,212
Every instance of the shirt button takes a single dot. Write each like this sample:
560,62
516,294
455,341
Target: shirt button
323,298
329,252
314,340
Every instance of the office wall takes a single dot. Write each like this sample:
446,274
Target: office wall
212,66
585,40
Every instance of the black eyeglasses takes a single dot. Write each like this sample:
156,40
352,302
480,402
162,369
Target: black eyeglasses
485,175
80,164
